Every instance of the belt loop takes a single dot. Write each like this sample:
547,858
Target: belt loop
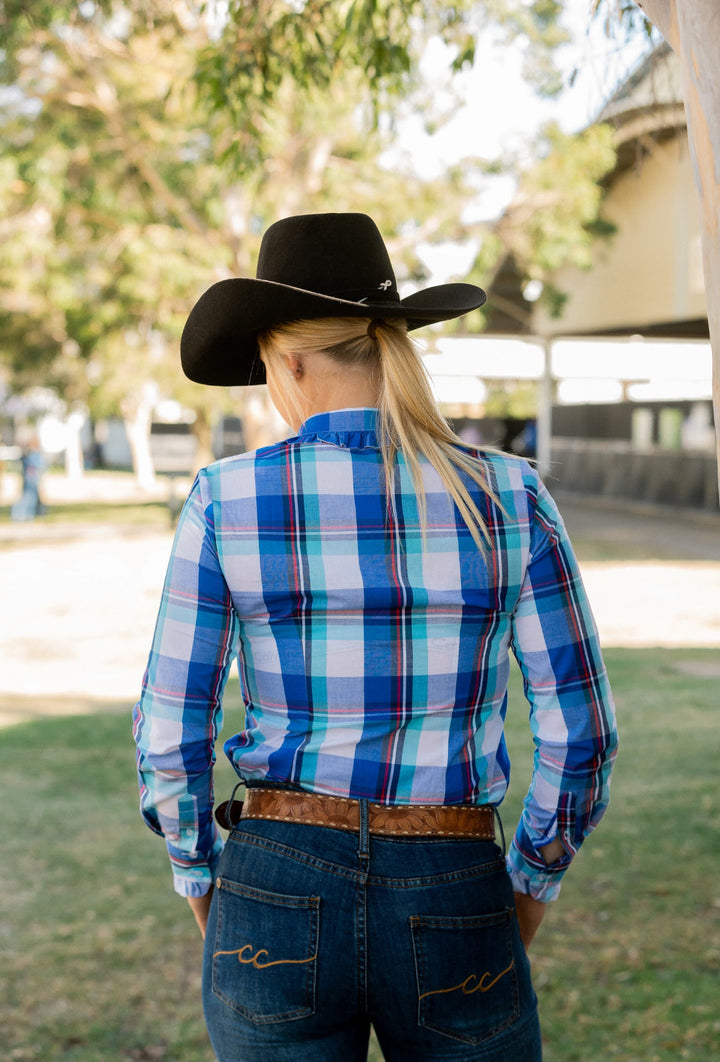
502,831
364,839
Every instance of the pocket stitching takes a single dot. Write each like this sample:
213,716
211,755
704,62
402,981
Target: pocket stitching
309,903
464,922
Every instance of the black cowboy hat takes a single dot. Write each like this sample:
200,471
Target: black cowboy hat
312,265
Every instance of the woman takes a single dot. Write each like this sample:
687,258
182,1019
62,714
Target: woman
369,575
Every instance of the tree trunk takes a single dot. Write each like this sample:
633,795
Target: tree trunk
74,459
202,430
137,418
692,29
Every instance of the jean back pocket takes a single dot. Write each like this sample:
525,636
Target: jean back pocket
467,977
265,953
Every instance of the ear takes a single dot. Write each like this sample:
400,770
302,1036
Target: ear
294,365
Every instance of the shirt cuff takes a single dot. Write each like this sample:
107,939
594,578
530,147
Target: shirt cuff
194,875
531,875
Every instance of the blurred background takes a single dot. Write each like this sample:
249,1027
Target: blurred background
530,147
536,147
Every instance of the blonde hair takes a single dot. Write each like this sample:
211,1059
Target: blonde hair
409,420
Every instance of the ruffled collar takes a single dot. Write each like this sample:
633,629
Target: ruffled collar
351,428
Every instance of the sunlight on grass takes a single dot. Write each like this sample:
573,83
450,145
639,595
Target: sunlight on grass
124,507
146,515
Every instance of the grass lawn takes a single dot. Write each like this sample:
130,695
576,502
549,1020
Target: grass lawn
112,499
100,961
148,515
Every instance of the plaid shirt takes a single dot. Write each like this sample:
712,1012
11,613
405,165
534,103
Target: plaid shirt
373,659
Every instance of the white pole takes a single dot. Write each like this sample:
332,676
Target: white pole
544,413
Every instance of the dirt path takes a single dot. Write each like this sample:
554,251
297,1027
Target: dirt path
77,614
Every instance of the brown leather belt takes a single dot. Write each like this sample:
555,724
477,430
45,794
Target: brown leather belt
341,813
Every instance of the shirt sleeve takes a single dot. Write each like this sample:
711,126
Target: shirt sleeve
179,714
572,716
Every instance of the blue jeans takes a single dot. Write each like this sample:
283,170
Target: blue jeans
316,933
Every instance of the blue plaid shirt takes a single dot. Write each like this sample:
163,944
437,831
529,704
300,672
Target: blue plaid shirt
373,659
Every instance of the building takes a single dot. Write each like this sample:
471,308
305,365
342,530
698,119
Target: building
645,287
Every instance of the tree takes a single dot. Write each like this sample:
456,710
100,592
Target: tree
158,146
265,43
124,196
95,210
692,28
131,194
555,216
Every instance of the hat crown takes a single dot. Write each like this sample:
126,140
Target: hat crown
341,255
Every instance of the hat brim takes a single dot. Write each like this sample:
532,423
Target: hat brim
219,342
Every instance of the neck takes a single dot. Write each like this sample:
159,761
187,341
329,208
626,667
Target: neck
326,387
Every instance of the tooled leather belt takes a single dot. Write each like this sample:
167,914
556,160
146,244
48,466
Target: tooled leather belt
342,813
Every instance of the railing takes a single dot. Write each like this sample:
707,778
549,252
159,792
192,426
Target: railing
685,478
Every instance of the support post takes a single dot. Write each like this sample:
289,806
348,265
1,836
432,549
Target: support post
544,413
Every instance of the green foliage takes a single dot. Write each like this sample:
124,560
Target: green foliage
554,299
560,198
556,215
124,196
265,43
624,15
519,399
99,136
144,150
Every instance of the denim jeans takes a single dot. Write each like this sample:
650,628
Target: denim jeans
316,933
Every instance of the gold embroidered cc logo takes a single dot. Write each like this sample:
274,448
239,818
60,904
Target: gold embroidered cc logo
244,956
472,984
